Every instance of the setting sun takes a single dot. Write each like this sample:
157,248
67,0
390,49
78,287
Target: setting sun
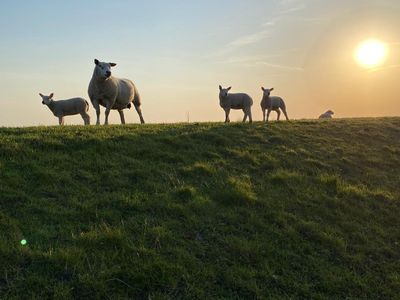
371,53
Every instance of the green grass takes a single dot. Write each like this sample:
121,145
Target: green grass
304,209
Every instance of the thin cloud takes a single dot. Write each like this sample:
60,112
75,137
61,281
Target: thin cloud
289,2
272,22
292,10
249,39
259,36
378,69
288,12
262,60
282,67
320,19
291,6
252,59
287,7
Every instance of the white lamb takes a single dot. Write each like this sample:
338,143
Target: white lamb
235,101
270,103
69,107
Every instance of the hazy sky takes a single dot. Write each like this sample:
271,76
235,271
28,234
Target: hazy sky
178,52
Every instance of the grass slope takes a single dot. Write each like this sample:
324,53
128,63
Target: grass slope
205,211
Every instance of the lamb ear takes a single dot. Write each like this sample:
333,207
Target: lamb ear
112,64
271,89
220,88
263,88
51,95
96,62
229,88
41,95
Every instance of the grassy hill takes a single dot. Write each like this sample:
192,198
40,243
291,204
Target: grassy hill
304,209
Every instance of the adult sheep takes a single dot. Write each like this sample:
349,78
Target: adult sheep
235,101
112,93
270,103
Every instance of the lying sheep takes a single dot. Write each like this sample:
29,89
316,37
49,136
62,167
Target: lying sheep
328,115
235,101
272,103
70,107
112,93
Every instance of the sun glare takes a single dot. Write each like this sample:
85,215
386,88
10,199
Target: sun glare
371,53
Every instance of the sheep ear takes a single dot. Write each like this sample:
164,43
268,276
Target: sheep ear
41,95
51,95
271,89
229,88
220,88
96,62
263,89
113,64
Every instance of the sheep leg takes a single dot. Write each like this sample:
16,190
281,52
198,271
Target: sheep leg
250,116
263,115
227,111
285,113
96,106
121,115
269,112
245,116
108,109
61,120
279,114
139,111
86,118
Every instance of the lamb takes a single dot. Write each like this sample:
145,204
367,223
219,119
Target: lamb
235,101
328,115
272,103
70,107
112,93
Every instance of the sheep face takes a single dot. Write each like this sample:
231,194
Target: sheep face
46,100
223,93
103,69
267,92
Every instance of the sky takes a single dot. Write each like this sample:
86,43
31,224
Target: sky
179,52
